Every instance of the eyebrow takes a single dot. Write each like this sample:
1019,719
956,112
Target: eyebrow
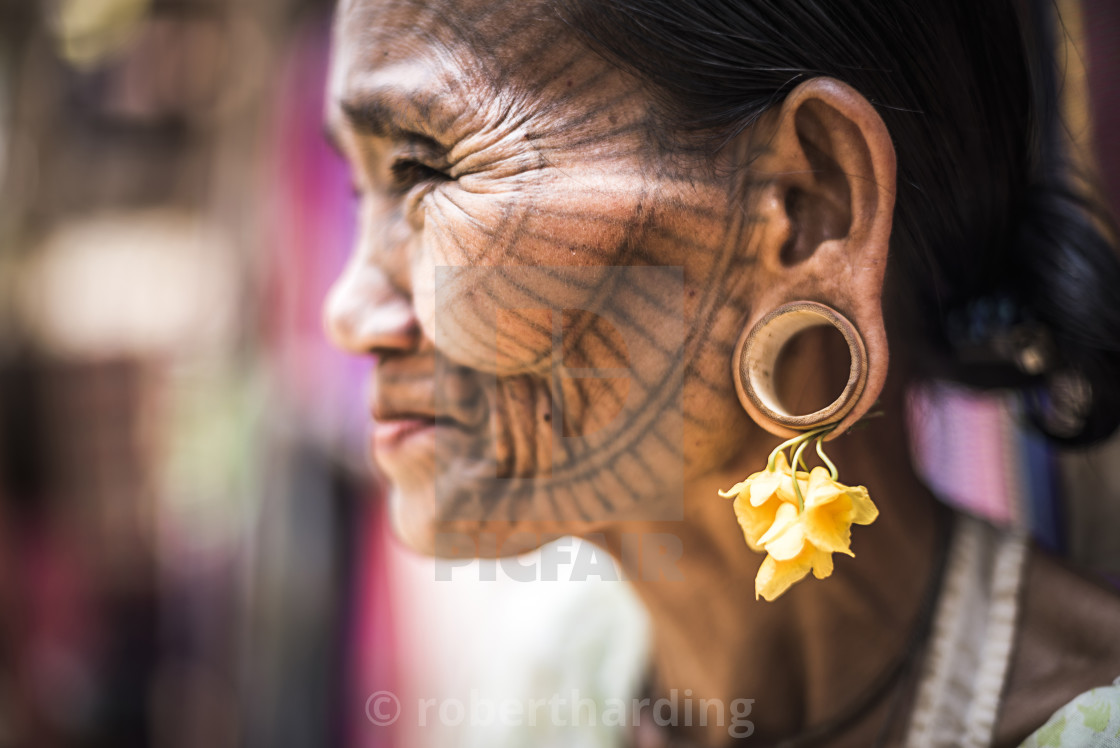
378,114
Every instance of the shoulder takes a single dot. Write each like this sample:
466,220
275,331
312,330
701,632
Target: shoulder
1068,643
1092,720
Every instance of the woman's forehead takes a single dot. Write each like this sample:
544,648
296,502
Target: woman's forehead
439,64
504,36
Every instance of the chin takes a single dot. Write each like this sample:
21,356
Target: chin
418,526
411,524
452,497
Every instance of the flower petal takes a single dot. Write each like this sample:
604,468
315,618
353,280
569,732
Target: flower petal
775,577
864,511
764,487
786,536
822,489
785,516
742,486
754,521
786,492
822,564
828,527
737,489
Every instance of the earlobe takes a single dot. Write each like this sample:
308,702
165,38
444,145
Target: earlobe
827,208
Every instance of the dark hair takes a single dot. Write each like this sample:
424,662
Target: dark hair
991,243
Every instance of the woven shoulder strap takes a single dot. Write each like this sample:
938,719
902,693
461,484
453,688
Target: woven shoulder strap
973,634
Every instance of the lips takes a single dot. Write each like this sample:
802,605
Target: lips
420,386
402,408
391,435
410,396
399,414
502,422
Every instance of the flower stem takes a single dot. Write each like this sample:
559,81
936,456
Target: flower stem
796,482
797,446
824,458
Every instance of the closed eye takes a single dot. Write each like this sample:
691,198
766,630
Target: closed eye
406,173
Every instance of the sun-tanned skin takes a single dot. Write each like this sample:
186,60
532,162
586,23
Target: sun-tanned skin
485,135
548,162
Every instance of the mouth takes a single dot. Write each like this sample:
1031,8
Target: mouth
458,424
411,398
393,426
390,433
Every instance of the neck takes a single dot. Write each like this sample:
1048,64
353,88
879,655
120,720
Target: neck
813,655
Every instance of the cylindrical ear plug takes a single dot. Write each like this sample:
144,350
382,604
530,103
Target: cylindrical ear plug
755,367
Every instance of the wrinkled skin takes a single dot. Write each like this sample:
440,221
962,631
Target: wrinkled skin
533,153
487,142
527,150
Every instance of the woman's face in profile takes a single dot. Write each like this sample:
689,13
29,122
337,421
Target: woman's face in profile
551,289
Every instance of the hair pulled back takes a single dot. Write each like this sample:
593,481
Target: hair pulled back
990,242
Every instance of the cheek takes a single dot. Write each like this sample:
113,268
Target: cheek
495,273
718,429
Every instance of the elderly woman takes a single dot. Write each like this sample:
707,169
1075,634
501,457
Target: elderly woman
611,253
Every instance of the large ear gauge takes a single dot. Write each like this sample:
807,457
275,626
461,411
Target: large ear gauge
797,517
756,367
824,235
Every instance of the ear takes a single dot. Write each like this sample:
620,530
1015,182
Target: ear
826,202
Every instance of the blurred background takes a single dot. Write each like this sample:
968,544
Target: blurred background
192,550
188,530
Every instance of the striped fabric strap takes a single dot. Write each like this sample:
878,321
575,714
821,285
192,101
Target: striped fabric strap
973,633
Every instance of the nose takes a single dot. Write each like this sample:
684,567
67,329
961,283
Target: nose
364,312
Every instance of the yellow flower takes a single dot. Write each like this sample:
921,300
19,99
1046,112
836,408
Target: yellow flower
775,577
800,541
831,508
798,537
754,506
